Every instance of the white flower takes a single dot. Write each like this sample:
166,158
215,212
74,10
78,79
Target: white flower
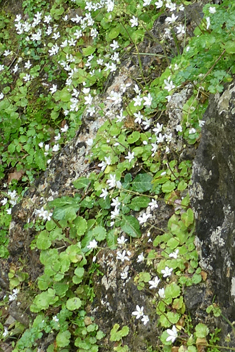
138,100
113,182
208,22
124,274
4,201
212,9
139,312
154,283
1,67
92,244
171,19
153,204
53,89
179,128
121,240
167,271
56,147
89,142
115,202
110,5
171,7
18,18
122,256
5,332
104,193
145,319
161,293
27,64
130,156
138,117
174,254
172,334
168,84
55,318
192,131
1,96
143,218
159,4
115,213
57,138
140,258
27,77
7,52
47,19
148,100
114,45
116,97
14,294
158,128
136,89
180,29
65,128
134,21
9,211
146,2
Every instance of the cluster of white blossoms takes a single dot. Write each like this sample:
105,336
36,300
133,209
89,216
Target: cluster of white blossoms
139,313
11,198
44,214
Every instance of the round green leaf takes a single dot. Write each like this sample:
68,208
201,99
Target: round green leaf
63,338
73,303
81,225
43,242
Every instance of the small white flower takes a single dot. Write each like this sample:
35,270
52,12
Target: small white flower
115,202
143,218
65,128
57,138
167,271
159,4
145,319
4,201
192,130
27,64
121,240
1,96
179,128
112,182
139,312
56,147
138,117
171,19
154,283
168,84
122,256
114,45
115,213
208,22
27,77
55,318
161,293
174,254
140,258
104,193
53,89
130,156
134,21
5,332
158,128
180,29
153,204
212,9
138,100
148,100
201,123
92,244
172,334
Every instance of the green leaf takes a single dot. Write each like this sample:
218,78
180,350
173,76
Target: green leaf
172,290
142,183
230,47
201,330
43,300
131,226
79,272
89,50
113,33
116,335
168,187
65,207
188,217
81,225
63,338
82,182
139,202
99,233
73,303
134,137
74,253
43,242
111,239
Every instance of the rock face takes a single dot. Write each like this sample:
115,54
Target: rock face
213,200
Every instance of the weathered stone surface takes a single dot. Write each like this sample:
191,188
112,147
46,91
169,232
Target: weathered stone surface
213,193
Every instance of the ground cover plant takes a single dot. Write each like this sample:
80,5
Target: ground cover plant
55,58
